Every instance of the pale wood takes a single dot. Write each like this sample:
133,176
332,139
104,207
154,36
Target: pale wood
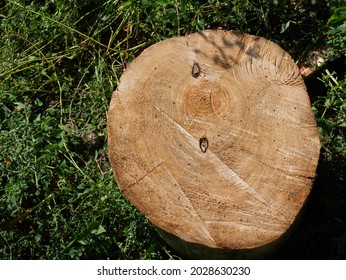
250,102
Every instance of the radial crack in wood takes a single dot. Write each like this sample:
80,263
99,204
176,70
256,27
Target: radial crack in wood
211,136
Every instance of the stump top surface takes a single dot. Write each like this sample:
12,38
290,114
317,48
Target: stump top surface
212,137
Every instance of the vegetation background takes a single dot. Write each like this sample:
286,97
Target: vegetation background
60,61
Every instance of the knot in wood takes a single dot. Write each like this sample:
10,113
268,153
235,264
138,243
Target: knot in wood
206,99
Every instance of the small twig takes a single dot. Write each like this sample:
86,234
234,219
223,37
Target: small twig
31,210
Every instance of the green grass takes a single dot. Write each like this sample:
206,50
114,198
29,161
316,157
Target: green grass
59,64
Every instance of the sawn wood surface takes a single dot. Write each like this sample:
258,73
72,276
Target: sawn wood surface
212,137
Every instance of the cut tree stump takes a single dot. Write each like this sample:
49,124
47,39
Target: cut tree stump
211,136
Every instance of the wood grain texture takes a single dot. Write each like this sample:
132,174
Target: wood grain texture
250,103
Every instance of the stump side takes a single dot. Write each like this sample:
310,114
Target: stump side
211,136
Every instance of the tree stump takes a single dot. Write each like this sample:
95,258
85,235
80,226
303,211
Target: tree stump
211,136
